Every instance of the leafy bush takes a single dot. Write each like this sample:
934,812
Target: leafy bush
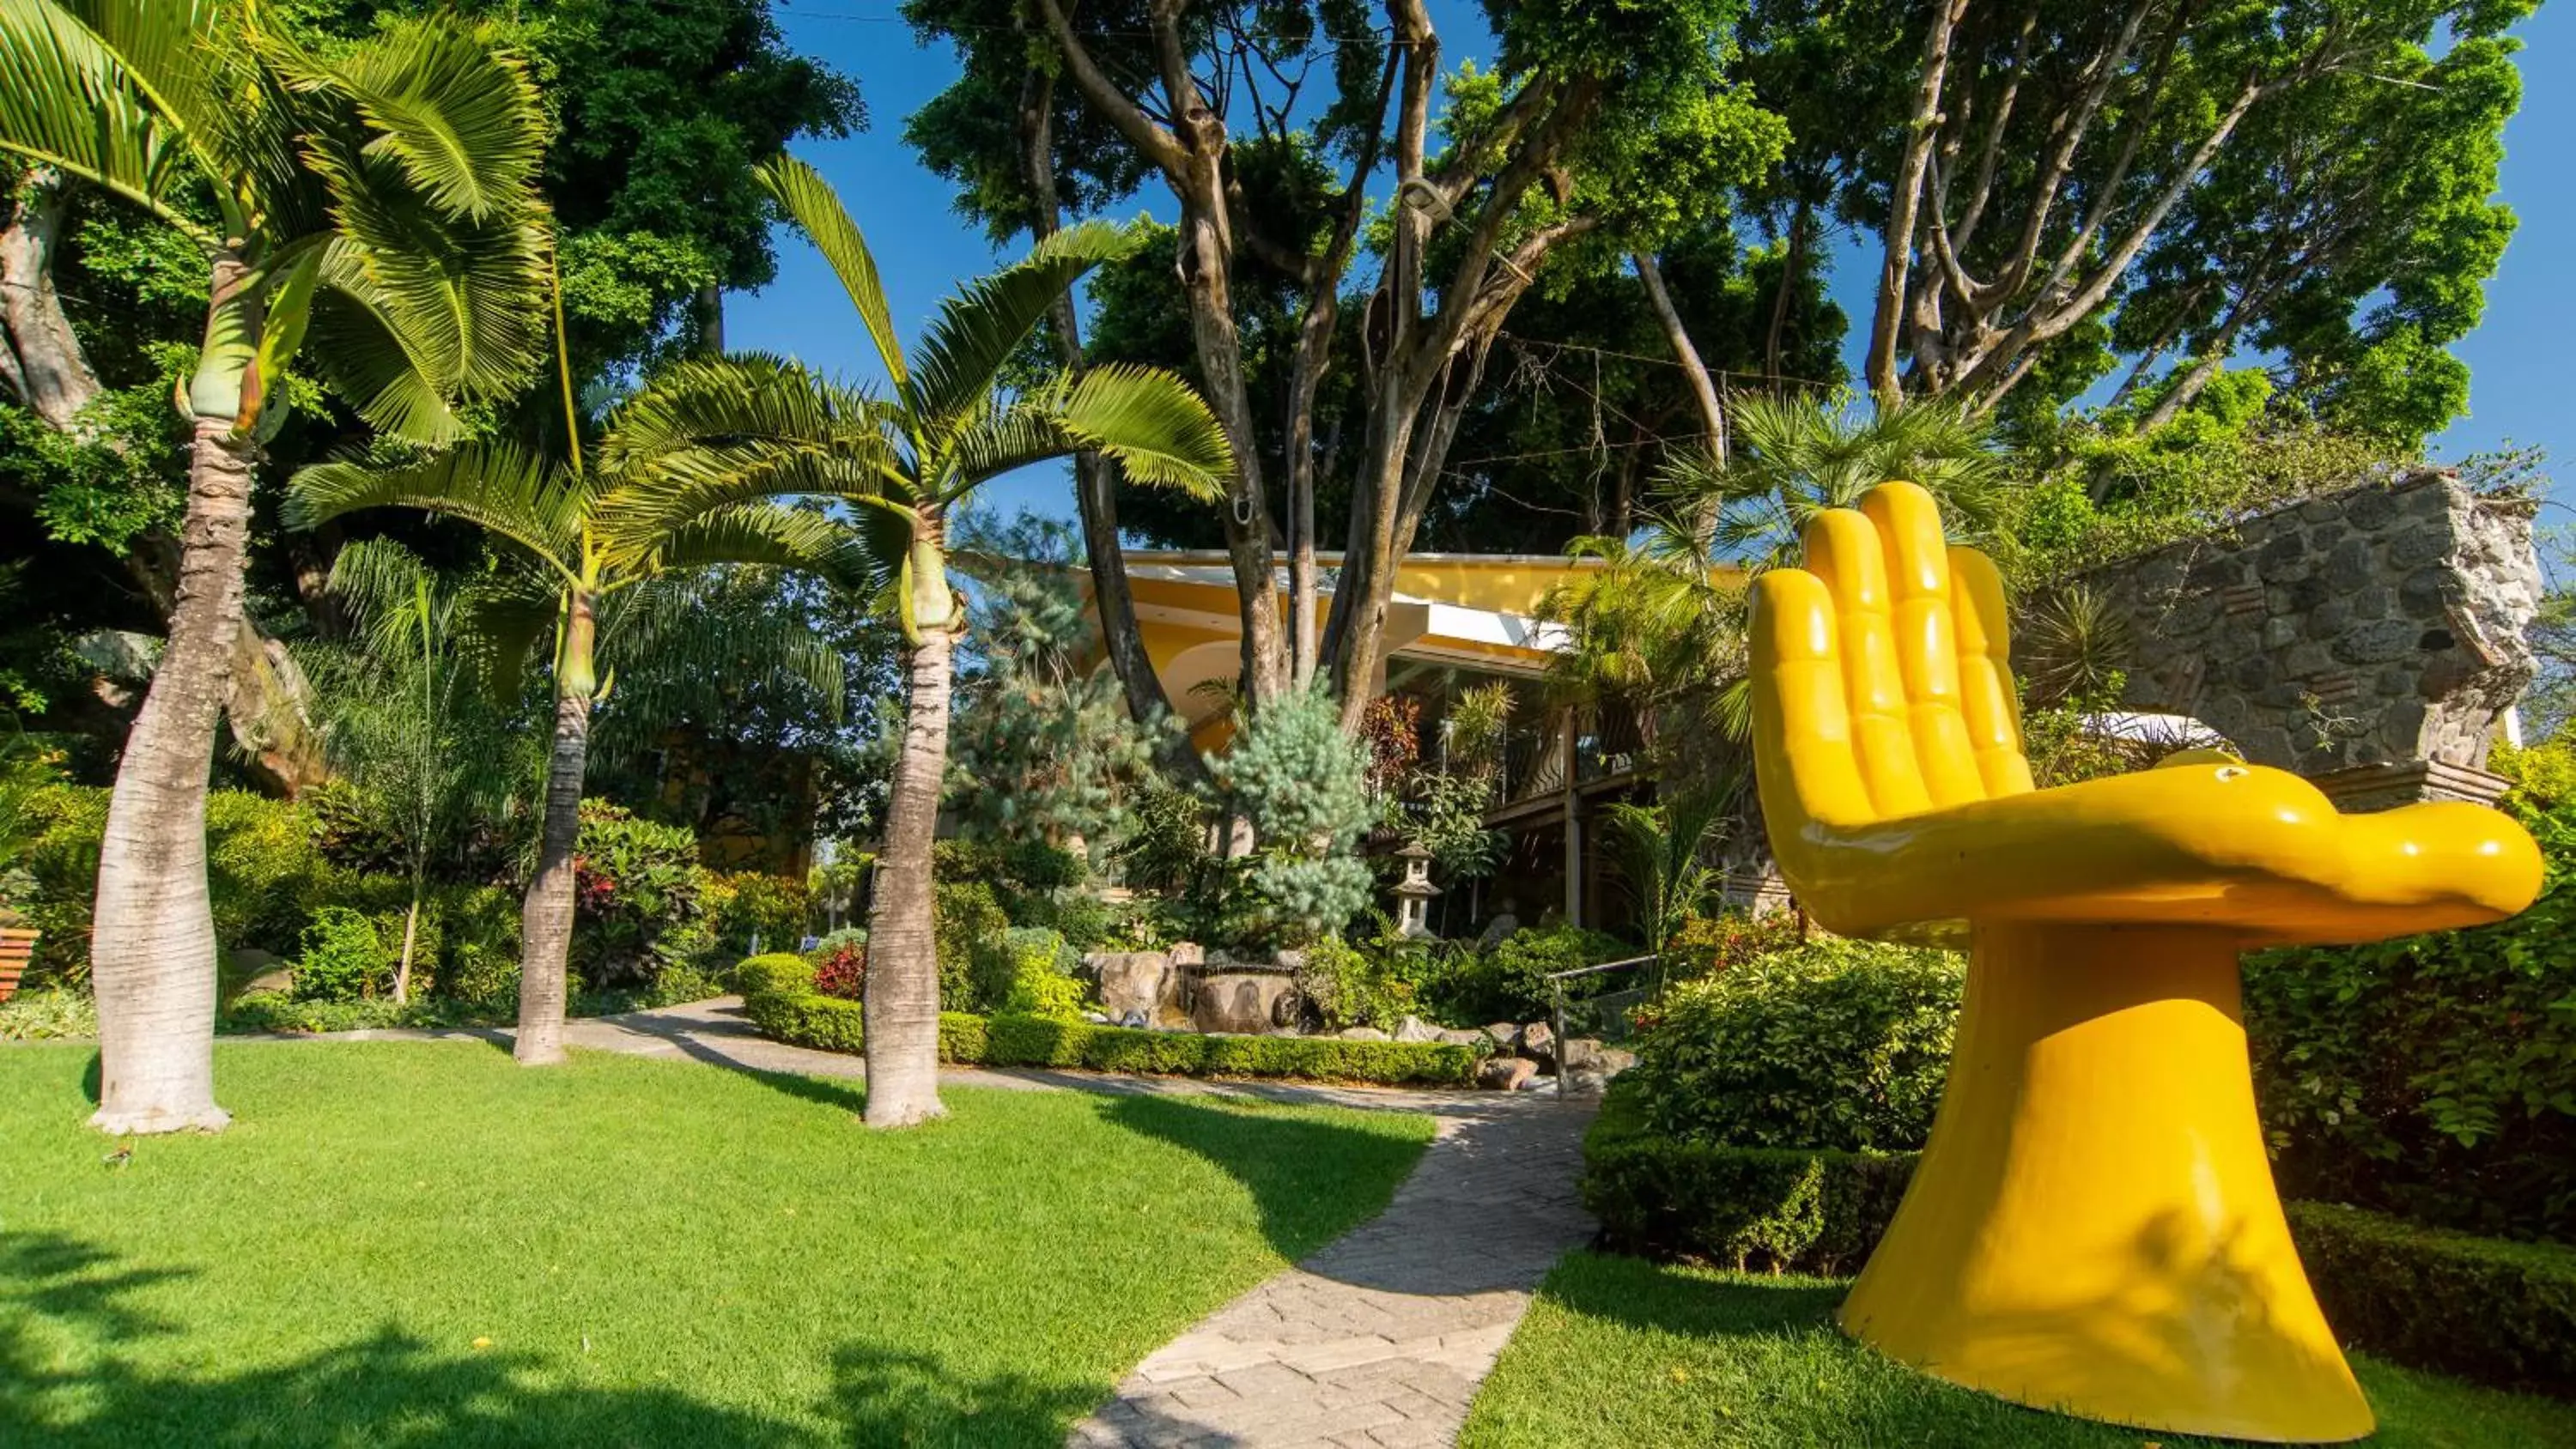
283,1011
750,905
263,868
842,971
2503,1313
55,1013
802,1018
480,979
968,929
66,824
1350,987
2435,1076
1839,1045
637,885
1166,841
1709,945
1781,1208
1042,982
779,973
1463,986
343,958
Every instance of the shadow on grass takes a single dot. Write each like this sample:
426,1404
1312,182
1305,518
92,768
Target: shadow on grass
394,1388
1311,1180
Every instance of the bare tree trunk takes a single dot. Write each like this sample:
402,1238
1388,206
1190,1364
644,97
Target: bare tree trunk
1793,262
1904,205
1703,388
902,1038
411,937
43,359
1094,483
546,916
153,945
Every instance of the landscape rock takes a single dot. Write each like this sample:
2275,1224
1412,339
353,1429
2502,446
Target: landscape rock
1580,1054
1135,985
1414,1028
1587,1083
1188,953
1536,1081
1462,1038
1504,1035
1243,998
1538,1042
1506,1074
1363,1033
1615,1060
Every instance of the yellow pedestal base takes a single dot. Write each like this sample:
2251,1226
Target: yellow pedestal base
2093,1228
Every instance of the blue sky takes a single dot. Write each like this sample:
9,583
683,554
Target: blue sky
2519,391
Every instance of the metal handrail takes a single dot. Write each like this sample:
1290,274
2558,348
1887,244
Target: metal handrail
1556,990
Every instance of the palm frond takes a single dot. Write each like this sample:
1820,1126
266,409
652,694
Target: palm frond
460,115
789,538
503,618
715,432
169,50
811,203
677,650
1158,429
68,100
365,356
492,485
961,355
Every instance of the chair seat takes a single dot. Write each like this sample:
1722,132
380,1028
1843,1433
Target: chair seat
2234,847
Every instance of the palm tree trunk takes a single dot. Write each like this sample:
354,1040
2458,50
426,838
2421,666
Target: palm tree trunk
154,941
411,935
902,1038
545,918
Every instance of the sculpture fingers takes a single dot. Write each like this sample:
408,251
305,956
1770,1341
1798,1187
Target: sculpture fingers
1844,552
1802,727
1987,699
1917,561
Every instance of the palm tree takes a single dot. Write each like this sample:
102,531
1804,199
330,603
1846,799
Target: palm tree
1660,853
1794,458
714,433
566,582
380,201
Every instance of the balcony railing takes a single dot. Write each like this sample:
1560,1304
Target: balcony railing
1606,743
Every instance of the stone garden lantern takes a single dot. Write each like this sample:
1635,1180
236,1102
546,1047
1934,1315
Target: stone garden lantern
1413,894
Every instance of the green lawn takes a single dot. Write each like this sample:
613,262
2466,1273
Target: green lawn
1626,1352
405,1244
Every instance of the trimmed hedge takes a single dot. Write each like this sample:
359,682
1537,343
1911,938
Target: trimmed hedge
1782,1208
2498,1312
782,1004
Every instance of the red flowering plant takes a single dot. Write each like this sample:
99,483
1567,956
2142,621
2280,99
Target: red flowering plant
843,972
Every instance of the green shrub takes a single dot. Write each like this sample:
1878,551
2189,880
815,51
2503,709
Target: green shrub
2435,1076
262,869
67,823
779,973
480,979
750,904
968,929
1711,945
1508,982
1348,986
283,1012
636,884
2499,1312
804,1019
1779,1208
53,1013
1837,1045
1042,983
343,958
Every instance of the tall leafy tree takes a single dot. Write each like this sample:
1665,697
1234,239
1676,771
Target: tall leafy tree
1600,123
573,594
380,201
2020,164
712,435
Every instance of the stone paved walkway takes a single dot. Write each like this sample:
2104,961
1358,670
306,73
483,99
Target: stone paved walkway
1378,1341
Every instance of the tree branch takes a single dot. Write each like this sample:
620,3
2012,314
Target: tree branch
1906,201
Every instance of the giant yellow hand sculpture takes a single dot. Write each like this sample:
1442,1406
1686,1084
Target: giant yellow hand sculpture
2093,1227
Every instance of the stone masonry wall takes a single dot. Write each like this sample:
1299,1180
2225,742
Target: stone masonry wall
2379,625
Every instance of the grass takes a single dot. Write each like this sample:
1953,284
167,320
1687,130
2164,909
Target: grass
1623,1351
414,1243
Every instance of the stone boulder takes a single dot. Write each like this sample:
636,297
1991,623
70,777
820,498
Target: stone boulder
1414,1028
1244,998
1137,988
1363,1033
1536,1081
1475,1039
1506,1074
1580,1054
1538,1042
1188,953
1504,1035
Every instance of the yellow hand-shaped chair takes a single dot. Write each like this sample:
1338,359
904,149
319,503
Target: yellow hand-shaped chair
2093,1227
